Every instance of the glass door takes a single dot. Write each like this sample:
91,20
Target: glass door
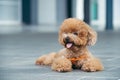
98,14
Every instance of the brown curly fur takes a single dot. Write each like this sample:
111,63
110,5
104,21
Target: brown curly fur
75,35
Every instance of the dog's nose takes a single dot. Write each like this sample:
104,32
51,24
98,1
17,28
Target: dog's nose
67,39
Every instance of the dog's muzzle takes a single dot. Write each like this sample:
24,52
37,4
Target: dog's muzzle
68,43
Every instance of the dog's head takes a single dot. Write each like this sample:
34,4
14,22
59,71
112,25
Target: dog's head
75,33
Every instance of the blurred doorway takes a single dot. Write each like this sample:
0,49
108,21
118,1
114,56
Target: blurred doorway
97,9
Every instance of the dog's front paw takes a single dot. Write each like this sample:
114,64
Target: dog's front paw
88,67
61,65
92,66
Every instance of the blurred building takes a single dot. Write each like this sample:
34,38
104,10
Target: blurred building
48,14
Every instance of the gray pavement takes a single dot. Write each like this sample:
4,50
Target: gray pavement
19,51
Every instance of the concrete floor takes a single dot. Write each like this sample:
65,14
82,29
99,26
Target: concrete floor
19,51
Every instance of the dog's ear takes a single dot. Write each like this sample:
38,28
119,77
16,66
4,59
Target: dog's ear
92,36
60,37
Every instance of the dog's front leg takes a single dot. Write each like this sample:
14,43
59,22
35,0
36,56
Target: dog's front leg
92,65
61,64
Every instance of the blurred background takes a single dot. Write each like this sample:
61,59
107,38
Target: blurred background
47,15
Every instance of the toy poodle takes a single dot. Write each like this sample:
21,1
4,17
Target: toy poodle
75,35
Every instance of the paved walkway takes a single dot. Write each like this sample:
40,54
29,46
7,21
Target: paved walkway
18,53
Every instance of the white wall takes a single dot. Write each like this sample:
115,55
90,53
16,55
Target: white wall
10,12
116,14
79,9
47,12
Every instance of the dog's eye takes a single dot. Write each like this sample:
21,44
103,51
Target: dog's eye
75,33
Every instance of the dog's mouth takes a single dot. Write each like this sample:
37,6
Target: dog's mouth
69,45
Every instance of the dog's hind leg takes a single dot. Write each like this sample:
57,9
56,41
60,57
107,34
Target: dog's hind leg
46,59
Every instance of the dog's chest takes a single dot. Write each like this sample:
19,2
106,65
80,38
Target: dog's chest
78,61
